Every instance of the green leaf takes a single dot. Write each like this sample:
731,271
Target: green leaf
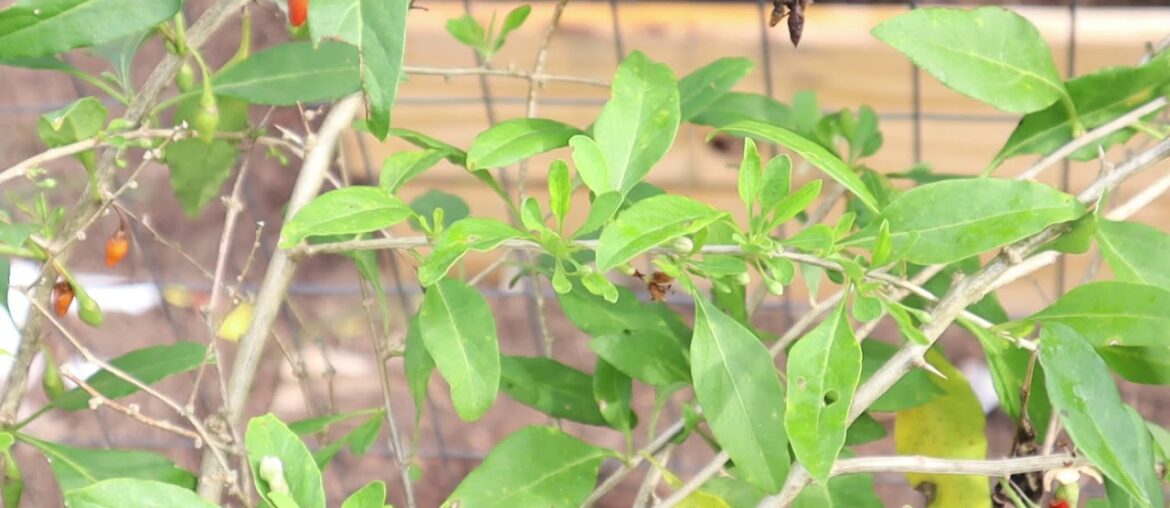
550,387
650,223
749,175
378,29
601,211
847,491
198,170
638,124
625,316
865,429
649,356
824,368
359,440
1099,97
511,141
452,153
418,365
1113,313
925,222
322,423
402,167
700,89
344,211
1135,252
46,28
120,53
612,390
742,400
233,113
1091,410
148,365
459,331
81,119
913,390
1145,365
373,495
75,468
467,30
791,205
990,54
950,426
1009,371
590,162
560,190
294,72
454,207
134,492
812,152
735,107
471,233
512,21
535,466
776,183
267,436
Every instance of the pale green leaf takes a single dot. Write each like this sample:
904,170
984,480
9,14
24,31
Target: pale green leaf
650,223
638,124
45,28
511,141
1113,313
267,436
459,331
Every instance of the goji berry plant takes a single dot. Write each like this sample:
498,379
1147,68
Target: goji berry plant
782,413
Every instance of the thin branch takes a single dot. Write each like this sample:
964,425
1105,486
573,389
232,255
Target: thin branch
536,75
276,280
932,465
98,400
654,447
1088,138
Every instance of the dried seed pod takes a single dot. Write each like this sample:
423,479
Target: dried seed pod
796,22
779,10
62,298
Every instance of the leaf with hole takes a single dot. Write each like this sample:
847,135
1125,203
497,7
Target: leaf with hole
735,383
511,141
345,211
989,53
824,368
925,222
650,223
459,331
1093,414
535,466
1113,313
812,152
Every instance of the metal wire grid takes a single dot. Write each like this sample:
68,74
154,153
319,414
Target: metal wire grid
916,116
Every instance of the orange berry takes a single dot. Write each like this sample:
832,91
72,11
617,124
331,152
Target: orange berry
62,298
117,247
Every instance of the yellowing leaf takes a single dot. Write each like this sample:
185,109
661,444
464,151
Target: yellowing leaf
950,426
178,296
701,499
236,322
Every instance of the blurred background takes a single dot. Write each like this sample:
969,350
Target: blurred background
153,298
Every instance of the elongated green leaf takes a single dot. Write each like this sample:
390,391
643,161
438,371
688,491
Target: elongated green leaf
1145,365
824,368
45,28
950,426
612,389
1099,97
358,440
625,316
314,425
649,356
471,233
460,334
742,400
649,223
535,466
267,436
638,124
401,167
198,170
511,141
1114,313
1093,414
452,153
812,152
148,365
1135,252
378,29
847,491
925,223
602,210
990,54
75,468
373,495
735,107
349,210
454,208
134,492
560,190
1009,366
550,387
294,72
750,175
700,89
418,365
